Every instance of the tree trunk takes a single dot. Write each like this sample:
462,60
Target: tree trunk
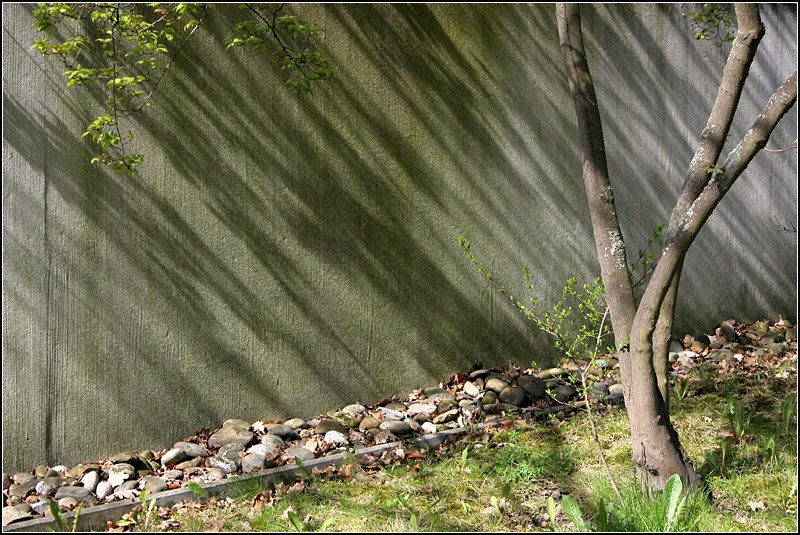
657,452
608,239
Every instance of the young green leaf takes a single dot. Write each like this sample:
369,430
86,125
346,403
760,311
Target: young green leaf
573,511
673,501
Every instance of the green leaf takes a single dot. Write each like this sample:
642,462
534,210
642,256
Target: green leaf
551,511
295,520
57,518
673,502
573,511
602,516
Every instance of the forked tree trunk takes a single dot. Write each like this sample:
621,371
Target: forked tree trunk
657,453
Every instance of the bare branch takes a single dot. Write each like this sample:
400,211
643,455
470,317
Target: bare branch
712,139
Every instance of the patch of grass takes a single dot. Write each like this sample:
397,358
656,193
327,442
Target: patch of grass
519,463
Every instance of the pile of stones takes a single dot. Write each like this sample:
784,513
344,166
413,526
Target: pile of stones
241,447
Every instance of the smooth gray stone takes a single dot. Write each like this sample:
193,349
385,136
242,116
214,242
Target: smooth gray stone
396,427
302,453
329,424
12,514
82,494
253,462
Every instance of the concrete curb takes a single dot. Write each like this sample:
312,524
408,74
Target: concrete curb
95,518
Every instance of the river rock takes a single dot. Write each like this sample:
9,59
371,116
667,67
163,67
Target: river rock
328,424
446,405
40,507
417,408
369,423
104,489
80,494
12,514
295,423
253,462
355,409
335,437
384,436
495,384
236,423
429,427
90,480
616,389
552,373
153,484
82,469
446,416
396,427
489,398
192,450
565,393
600,389
531,384
231,452
391,414
119,473
172,475
227,466
191,463
301,453
173,457
283,431
726,330
230,435
272,440
126,457
440,396
23,477
471,389
513,395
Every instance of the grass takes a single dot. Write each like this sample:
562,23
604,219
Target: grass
502,481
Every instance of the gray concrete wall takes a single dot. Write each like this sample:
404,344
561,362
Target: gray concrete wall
284,256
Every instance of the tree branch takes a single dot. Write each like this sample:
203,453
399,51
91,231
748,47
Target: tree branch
679,241
712,139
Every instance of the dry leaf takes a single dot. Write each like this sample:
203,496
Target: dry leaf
297,487
757,506
215,525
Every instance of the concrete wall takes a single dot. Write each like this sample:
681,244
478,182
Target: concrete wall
284,256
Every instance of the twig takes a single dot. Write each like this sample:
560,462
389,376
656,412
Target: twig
589,413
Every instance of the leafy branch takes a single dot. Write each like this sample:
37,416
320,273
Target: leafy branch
294,53
712,23
124,51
